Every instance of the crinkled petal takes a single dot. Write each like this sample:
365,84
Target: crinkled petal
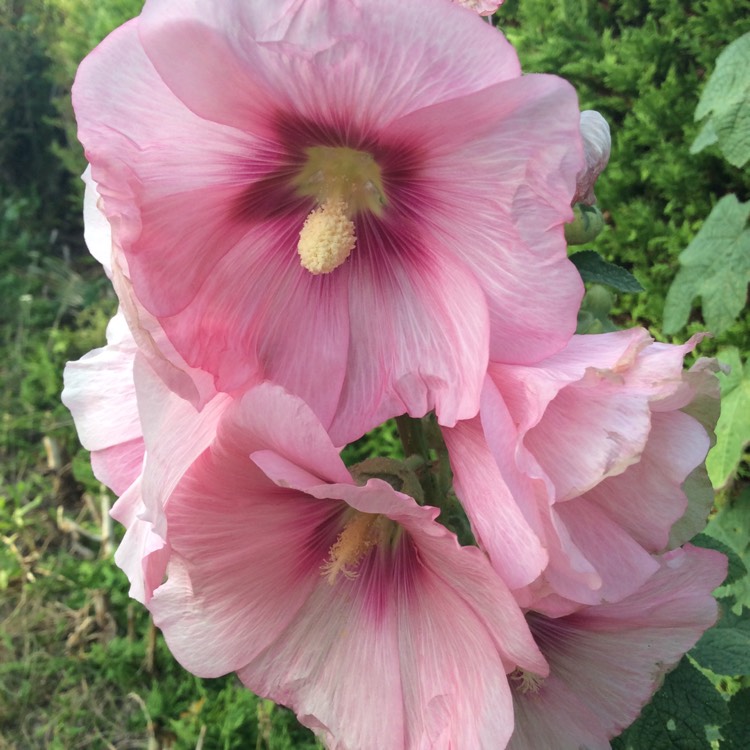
100,393
420,334
496,520
346,64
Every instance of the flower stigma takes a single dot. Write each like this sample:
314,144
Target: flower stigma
525,682
343,182
360,534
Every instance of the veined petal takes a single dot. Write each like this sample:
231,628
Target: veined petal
312,58
419,330
496,189
496,519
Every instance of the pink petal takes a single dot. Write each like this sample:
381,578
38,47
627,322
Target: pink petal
420,328
100,393
495,188
497,521
351,63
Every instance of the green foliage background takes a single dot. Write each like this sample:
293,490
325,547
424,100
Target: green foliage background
80,665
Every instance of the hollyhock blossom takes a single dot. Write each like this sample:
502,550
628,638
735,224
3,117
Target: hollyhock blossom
588,452
358,194
348,603
608,660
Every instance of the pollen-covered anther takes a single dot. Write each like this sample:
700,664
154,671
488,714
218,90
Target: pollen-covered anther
525,682
362,532
327,238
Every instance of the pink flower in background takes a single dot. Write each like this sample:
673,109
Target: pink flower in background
348,603
358,194
607,661
581,461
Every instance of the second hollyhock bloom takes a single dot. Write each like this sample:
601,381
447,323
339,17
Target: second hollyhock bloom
348,603
323,192
608,660
584,457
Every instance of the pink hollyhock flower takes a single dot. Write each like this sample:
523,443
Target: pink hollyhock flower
597,144
348,603
607,661
359,194
583,458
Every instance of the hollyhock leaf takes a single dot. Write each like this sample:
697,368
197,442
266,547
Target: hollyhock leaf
678,715
736,734
714,266
733,427
594,268
725,648
726,101
730,526
736,568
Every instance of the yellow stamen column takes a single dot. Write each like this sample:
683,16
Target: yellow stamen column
327,238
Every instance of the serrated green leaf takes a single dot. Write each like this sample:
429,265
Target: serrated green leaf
725,648
736,734
733,427
716,267
726,100
730,525
736,568
593,267
677,717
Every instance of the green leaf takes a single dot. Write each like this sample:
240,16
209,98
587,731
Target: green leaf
730,526
737,733
736,569
593,267
677,717
714,266
726,101
733,427
725,648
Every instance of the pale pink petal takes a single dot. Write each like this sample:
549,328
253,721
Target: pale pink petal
142,554
315,58
483,7
607,661
419,326
495,188
621,563
648,498
100,393
496,519
175,434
